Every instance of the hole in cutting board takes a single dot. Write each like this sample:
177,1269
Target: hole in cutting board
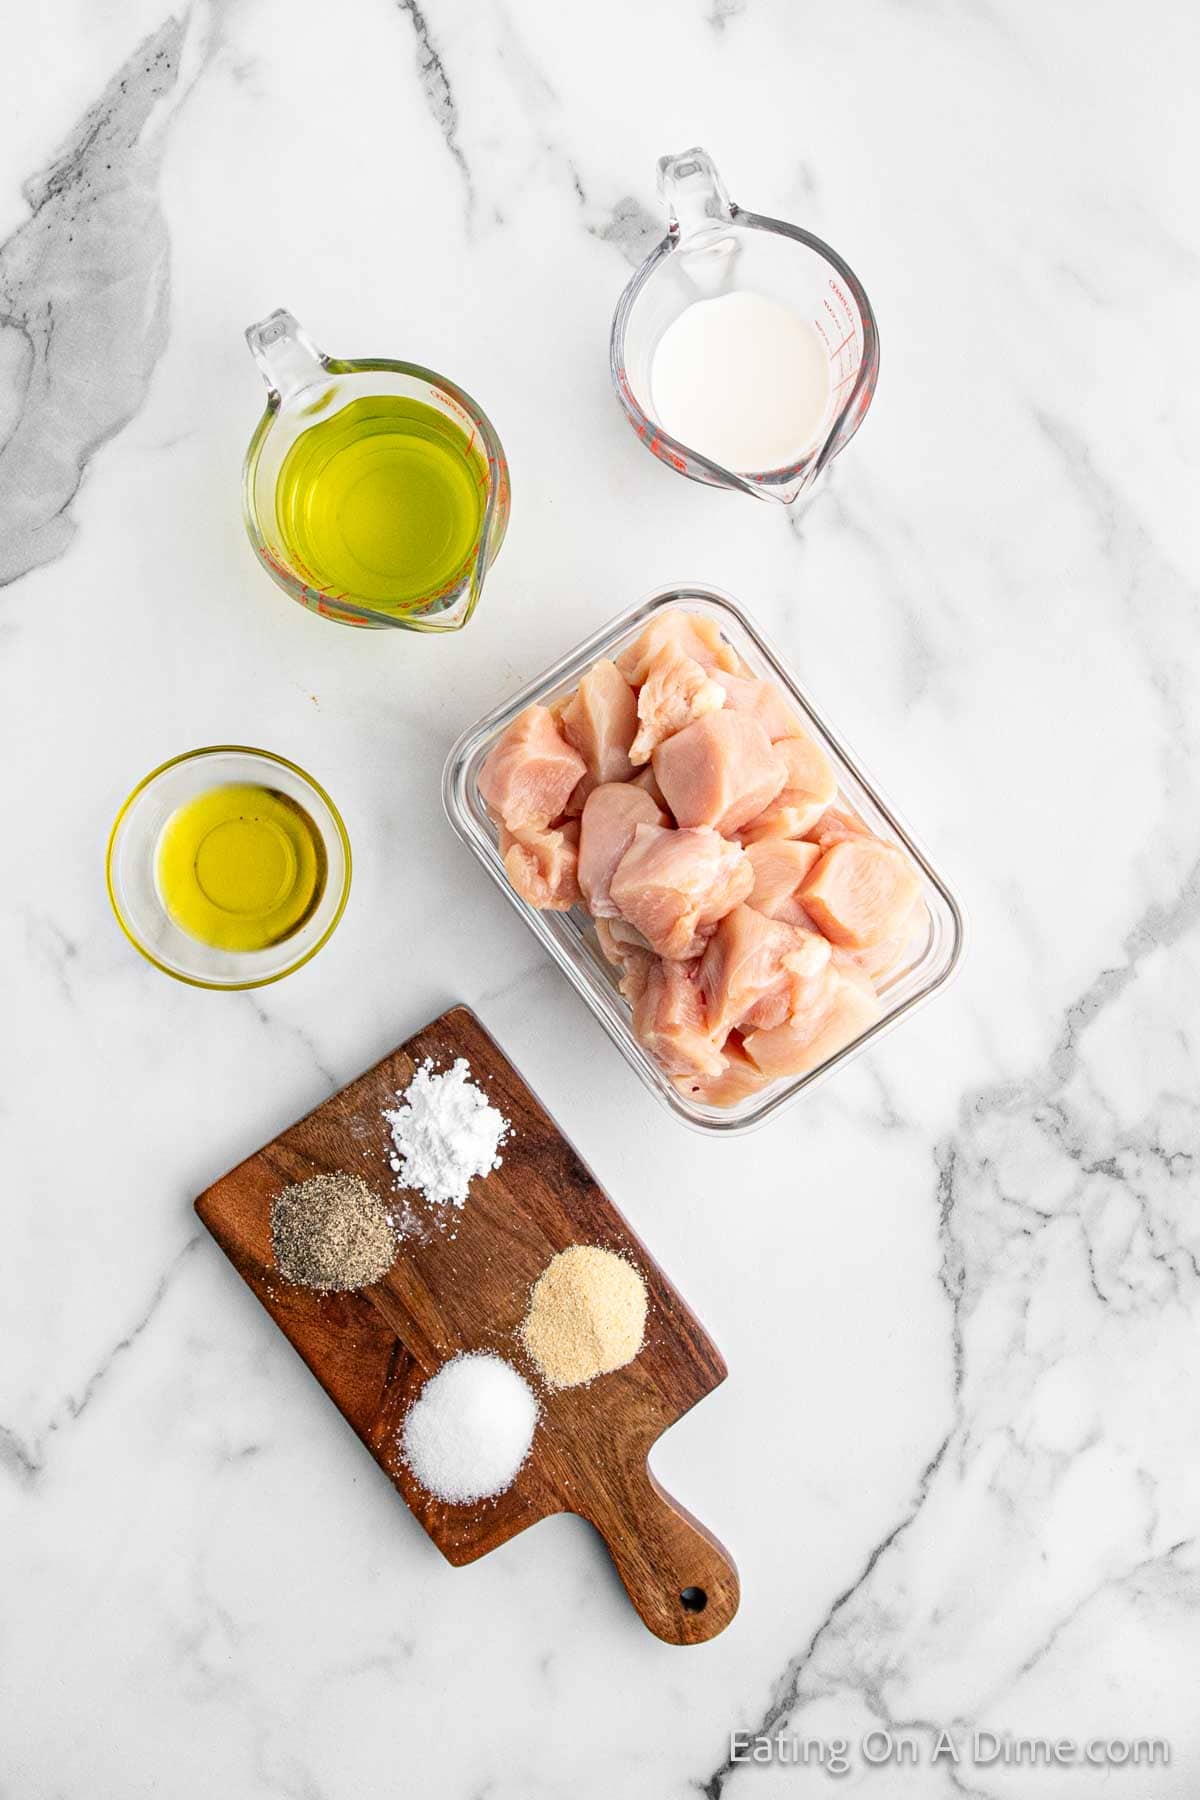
693,1599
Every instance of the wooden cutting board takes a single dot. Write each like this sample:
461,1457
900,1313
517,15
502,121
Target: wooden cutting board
465,1285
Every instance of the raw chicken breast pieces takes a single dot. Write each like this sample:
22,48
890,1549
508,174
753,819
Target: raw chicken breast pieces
671,884
763,701
600,719
808,788
530,775
720,771
859,892
780,865
611,815
756,971
543,866
675,692
844,1006
694,634
748,914
670,1020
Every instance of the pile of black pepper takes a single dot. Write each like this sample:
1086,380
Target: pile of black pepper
332,1234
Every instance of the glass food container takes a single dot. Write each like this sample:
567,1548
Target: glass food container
570,937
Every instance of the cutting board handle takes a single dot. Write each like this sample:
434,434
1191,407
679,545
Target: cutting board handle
681,1580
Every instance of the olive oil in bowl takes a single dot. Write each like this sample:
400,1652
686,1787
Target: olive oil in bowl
228,867
383,501
240,867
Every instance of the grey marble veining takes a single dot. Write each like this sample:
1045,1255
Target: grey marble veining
957,1455
435,84
84,286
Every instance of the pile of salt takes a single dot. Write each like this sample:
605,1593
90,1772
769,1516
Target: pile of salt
469,1429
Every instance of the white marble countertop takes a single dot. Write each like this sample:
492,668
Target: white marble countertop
958,1454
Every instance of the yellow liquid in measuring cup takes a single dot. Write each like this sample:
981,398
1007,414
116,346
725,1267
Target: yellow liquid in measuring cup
382,502
240,867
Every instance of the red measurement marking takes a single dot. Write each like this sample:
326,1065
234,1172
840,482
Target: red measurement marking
847,313
448,401
276,564
848,339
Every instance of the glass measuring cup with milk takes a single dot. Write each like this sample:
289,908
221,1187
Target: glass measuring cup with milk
744,350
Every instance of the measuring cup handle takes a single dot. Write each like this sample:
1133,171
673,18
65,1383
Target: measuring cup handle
694,193
287,358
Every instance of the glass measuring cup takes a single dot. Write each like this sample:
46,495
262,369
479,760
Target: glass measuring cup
713,247
308,389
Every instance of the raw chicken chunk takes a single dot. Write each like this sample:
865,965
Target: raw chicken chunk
600,719
842,1010
763,701
808,788
676,690
636,970
619,940
789,815
529,776
645,779
672,885
579,793
756,971
737,1080
780,865
835,826
628,951
669,1019
695,634
860,892
882,959
722,771
543,865
809,770
611,815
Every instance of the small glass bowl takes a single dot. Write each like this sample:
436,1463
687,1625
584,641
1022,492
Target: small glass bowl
133,889
570,937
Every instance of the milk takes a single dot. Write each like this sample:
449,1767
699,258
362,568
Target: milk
743,379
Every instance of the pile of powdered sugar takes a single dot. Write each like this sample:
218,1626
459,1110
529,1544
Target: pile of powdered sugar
444,1132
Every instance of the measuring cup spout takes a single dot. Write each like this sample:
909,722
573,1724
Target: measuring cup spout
695,194
287,358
